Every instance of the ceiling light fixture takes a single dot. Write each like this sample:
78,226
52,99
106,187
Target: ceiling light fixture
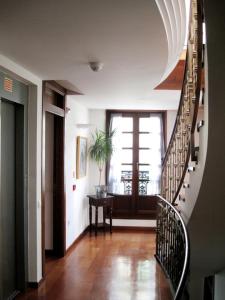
96,66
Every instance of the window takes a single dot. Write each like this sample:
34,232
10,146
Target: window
135,166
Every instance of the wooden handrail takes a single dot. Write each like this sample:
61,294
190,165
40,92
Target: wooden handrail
171,234
199,77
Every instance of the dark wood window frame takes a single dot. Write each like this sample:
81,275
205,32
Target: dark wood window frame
125,200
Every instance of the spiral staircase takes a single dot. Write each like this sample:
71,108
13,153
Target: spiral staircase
190,243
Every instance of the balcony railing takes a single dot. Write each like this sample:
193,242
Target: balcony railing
143,180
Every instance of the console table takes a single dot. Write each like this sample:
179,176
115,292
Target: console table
107,204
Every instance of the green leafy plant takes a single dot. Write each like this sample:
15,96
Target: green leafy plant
101,149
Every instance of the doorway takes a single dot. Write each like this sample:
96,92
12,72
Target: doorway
53,200
135,167
13,212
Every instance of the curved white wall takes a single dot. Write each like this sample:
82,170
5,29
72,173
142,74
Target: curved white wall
174,16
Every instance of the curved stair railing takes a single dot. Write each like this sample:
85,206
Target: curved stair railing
172,246
181,146
172,243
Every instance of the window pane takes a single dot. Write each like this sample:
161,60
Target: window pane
149,177
127,140
126,156
144,182
155,141
127,168
155,124
144,124
150,157
152,140
144,140
127,124
144,168
144,156
126,175
151,124
126,180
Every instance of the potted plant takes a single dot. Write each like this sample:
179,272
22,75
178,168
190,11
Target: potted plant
100,151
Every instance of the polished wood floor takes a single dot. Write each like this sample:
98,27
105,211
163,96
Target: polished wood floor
120,266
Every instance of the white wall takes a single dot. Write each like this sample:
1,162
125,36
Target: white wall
76,201
34,164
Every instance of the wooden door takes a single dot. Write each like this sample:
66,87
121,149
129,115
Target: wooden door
54,191
145,201
53,198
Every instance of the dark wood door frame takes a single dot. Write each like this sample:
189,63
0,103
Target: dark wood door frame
57,108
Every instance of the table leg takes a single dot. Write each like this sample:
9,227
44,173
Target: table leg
96,220
110,216
90,219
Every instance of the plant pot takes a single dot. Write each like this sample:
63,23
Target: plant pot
101,191
98,191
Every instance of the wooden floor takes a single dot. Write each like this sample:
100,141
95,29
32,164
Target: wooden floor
120,266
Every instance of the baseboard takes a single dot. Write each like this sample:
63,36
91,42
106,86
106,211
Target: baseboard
77,240
35,285
134,228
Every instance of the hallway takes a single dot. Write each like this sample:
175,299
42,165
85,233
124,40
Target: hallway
120,266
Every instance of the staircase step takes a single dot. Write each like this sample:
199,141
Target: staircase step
186,185
194,156
181,198
191,169
200,125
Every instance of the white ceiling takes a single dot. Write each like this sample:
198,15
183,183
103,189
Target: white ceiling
56,39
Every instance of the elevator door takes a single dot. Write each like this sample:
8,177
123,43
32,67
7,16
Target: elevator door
8,203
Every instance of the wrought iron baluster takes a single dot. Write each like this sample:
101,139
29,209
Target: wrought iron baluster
172,249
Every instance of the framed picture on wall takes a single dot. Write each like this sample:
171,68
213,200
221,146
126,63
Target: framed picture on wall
81,165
